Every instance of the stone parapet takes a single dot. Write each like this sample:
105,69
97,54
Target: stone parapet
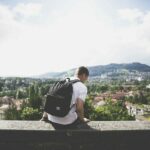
96,135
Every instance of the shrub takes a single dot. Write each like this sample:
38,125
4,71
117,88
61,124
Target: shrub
110,111
12,114
30,113
89,108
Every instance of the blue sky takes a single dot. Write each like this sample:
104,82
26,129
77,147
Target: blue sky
38,36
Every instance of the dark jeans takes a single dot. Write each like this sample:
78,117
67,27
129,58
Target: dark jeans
74,125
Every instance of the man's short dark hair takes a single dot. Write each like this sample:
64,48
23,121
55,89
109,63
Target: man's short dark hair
82,70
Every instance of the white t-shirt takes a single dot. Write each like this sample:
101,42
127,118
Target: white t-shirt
79,91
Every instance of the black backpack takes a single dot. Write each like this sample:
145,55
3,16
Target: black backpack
59,97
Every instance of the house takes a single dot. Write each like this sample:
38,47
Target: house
134,110
7,101
118,95
148,86
5,104
100,103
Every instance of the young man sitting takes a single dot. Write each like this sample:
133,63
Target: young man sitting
76,113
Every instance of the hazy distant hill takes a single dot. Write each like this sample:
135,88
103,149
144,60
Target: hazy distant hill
101,69
98,70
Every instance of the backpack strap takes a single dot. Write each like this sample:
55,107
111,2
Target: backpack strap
73,81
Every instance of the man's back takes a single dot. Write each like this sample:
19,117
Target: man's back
79,91
76,112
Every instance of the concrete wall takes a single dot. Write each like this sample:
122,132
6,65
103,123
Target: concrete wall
103,135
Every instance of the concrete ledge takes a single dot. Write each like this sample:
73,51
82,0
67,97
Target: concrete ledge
105,135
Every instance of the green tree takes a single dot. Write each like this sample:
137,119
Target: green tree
21,94
1,85
35,99
104,88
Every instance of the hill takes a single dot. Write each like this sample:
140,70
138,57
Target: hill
102,69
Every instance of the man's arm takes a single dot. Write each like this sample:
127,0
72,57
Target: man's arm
80,110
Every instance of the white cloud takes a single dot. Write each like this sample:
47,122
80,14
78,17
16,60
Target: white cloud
4,11
7,22
132,15
29,9
78,37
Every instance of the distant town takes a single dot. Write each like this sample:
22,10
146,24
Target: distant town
113,94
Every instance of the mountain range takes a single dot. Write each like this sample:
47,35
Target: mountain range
101,69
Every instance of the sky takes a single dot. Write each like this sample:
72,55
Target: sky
40,36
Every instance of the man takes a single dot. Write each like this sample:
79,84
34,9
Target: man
76,113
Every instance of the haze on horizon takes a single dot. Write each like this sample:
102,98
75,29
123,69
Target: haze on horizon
39,36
